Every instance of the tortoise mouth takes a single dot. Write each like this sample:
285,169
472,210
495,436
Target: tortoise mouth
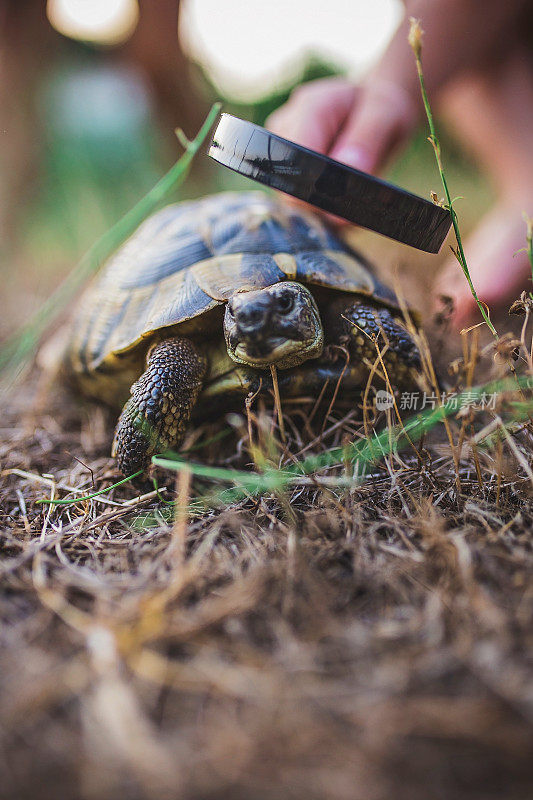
282,352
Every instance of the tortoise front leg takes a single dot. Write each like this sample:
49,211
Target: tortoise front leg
156,415
361,326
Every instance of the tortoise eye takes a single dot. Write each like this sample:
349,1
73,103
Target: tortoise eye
285,302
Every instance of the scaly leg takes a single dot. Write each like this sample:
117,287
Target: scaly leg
361,326
156,415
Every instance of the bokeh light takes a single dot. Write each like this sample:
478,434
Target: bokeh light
106,22
249,48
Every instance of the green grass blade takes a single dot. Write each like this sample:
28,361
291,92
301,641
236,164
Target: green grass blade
415,41
249,480
89,496
367,452
529,240
17,349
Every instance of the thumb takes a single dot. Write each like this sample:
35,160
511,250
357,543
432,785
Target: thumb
381,121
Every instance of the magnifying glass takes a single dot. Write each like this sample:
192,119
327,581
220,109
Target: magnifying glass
329,185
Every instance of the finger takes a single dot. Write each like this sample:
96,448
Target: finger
497,274
315,113
381,121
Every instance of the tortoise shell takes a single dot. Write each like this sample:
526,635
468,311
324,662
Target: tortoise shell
191,257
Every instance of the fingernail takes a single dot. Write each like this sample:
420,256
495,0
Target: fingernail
353,156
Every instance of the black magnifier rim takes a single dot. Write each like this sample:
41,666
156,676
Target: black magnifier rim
367,201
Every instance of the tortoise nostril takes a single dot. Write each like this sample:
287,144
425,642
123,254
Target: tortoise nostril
252,317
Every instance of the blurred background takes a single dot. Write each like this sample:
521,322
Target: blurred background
92,90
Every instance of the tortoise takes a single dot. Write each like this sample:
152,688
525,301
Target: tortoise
191,312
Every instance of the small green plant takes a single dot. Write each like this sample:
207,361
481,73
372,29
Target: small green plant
415,41
364,453
529,243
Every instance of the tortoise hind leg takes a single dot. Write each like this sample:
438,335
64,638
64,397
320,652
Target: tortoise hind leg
156,415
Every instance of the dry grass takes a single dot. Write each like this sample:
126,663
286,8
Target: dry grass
369,642
339,640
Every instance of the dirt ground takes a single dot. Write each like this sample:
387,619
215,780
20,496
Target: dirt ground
369,643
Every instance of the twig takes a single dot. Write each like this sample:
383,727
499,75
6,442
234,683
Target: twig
277,401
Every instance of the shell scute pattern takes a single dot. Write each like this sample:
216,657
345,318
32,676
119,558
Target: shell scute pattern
330,269
178,300
190,257
239,272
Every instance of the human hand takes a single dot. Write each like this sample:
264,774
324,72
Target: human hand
361,126
498,264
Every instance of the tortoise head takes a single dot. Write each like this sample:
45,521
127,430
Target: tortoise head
278,325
